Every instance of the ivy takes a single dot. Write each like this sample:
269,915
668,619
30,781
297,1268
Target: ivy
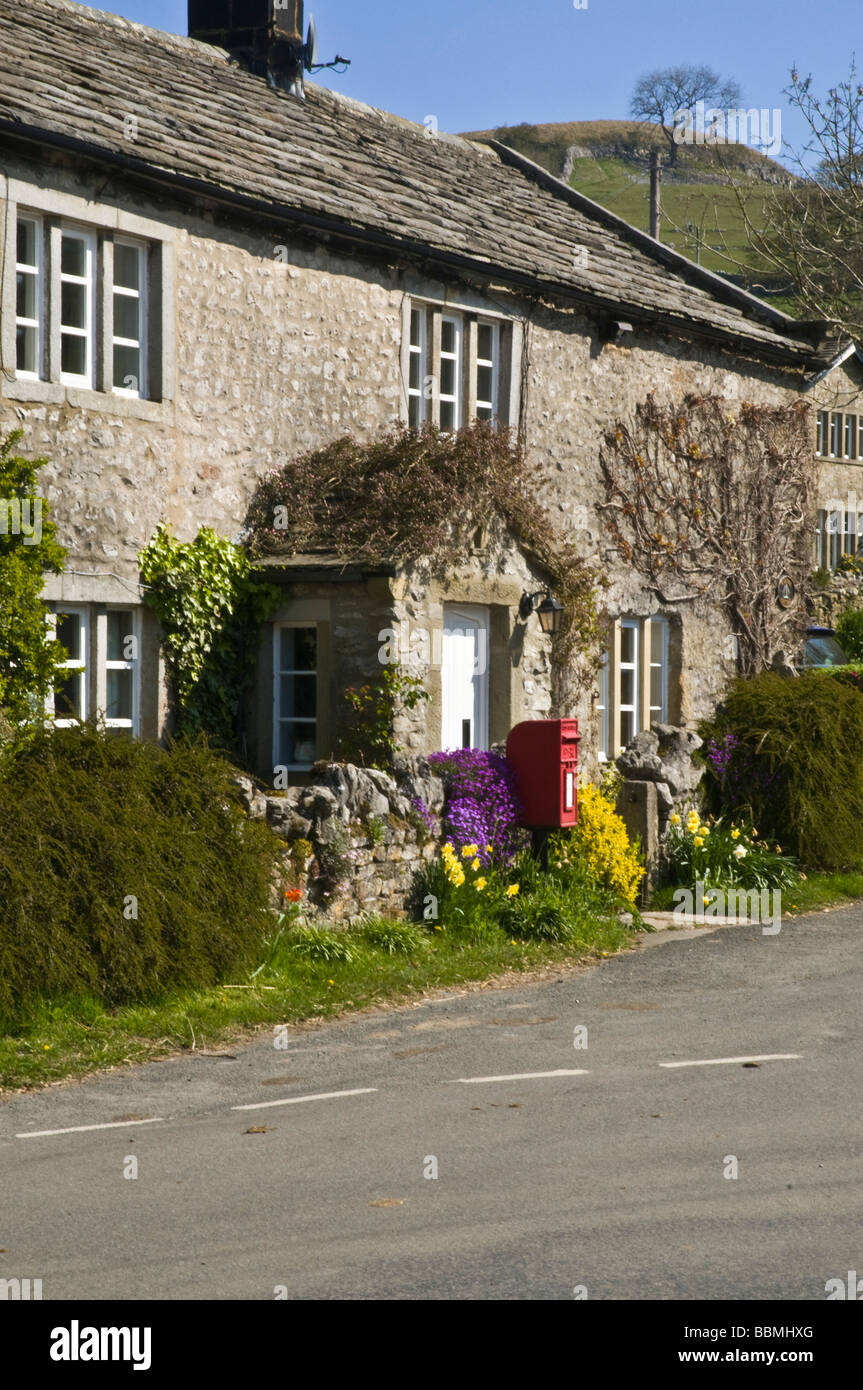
29,658
210,605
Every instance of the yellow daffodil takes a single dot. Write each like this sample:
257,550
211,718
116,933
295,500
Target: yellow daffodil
475,865
735,834
469,851
480,884
512,890
698,842
675,819
489,849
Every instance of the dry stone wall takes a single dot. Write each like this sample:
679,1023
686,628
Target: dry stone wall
354,837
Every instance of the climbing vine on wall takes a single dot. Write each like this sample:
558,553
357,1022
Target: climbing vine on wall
415,494
210,605
29,659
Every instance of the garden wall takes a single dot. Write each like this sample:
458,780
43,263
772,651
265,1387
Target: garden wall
354,837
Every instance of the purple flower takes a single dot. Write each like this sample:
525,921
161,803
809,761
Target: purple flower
481,803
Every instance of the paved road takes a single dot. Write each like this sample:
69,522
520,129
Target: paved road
613,1179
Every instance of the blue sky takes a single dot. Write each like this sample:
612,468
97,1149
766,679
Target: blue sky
476,64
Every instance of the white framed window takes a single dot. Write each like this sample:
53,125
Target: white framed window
450,377
117,651
418,368
822,427
849,442
77,307
69,704
628,680
129,336
634,681
295,698
835,434
837,533
603,711
29,298
487,370
658,671
453,364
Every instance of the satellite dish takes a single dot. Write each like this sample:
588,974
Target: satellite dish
311,52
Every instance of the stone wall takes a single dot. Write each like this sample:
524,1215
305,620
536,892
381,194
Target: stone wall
826,606
354,837
660,777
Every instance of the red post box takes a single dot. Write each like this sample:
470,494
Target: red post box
543,754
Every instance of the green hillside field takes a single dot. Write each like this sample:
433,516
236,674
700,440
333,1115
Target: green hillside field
701,212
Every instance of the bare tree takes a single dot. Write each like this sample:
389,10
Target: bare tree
710,504
811,230
658,95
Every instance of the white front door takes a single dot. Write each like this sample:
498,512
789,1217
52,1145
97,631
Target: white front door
464,677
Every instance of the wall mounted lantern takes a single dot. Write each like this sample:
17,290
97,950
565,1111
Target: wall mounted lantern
549,610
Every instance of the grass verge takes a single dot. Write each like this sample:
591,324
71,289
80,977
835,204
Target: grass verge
818,890
81,1036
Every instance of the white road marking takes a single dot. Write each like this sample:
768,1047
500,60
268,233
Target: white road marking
516,1076
84,1129
298,1100
719,1061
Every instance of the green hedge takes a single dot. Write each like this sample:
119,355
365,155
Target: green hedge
95,829
788,752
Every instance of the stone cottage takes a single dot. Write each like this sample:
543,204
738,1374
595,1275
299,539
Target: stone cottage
208,266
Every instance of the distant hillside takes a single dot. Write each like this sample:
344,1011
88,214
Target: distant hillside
609,162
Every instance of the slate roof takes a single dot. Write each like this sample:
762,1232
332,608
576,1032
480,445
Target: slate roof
70,75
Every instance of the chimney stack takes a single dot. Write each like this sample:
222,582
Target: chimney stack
266,36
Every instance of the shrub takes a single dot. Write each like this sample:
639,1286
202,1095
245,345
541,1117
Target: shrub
481,803
385,934
29,660
601,843
319,944
794,765
849,633
536,918
125,870
210,603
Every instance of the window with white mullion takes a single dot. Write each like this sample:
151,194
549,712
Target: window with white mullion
658,670
129,318
69,703
77,286
603,710
629,686
487,370
850,437
418,368
295,695
119,659
821,433
450,377
29,298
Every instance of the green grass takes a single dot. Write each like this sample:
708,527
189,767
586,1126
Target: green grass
702,218
712,208
818,890
82,1036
